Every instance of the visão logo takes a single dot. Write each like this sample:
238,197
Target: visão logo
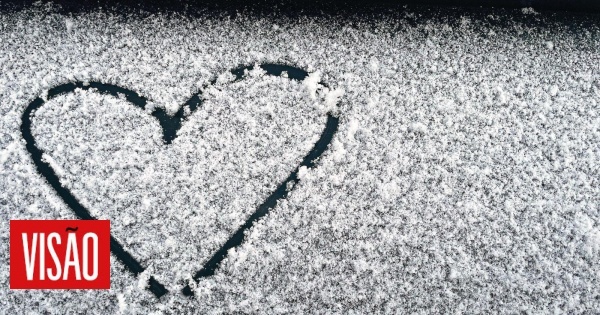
59,254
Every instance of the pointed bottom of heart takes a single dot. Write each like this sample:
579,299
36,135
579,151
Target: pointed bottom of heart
157,288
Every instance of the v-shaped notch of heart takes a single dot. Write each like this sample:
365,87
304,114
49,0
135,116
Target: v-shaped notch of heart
170,125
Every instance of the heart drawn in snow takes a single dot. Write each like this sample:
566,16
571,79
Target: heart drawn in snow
170,125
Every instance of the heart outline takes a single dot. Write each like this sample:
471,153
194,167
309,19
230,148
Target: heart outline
170,125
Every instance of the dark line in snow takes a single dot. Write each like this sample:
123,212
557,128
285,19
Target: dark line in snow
170,125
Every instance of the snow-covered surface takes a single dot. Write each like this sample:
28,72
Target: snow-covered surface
464,176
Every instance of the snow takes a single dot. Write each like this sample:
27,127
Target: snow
463,176
529,11
312,83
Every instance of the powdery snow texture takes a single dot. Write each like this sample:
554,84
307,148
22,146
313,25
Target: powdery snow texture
464,176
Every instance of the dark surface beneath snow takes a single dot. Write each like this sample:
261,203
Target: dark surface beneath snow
305,6
570,5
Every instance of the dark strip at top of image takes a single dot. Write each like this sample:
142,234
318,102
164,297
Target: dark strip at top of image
306,6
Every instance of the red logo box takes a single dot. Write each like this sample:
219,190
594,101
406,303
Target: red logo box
59,254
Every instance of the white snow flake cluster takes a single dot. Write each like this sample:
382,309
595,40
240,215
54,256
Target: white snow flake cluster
464,176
